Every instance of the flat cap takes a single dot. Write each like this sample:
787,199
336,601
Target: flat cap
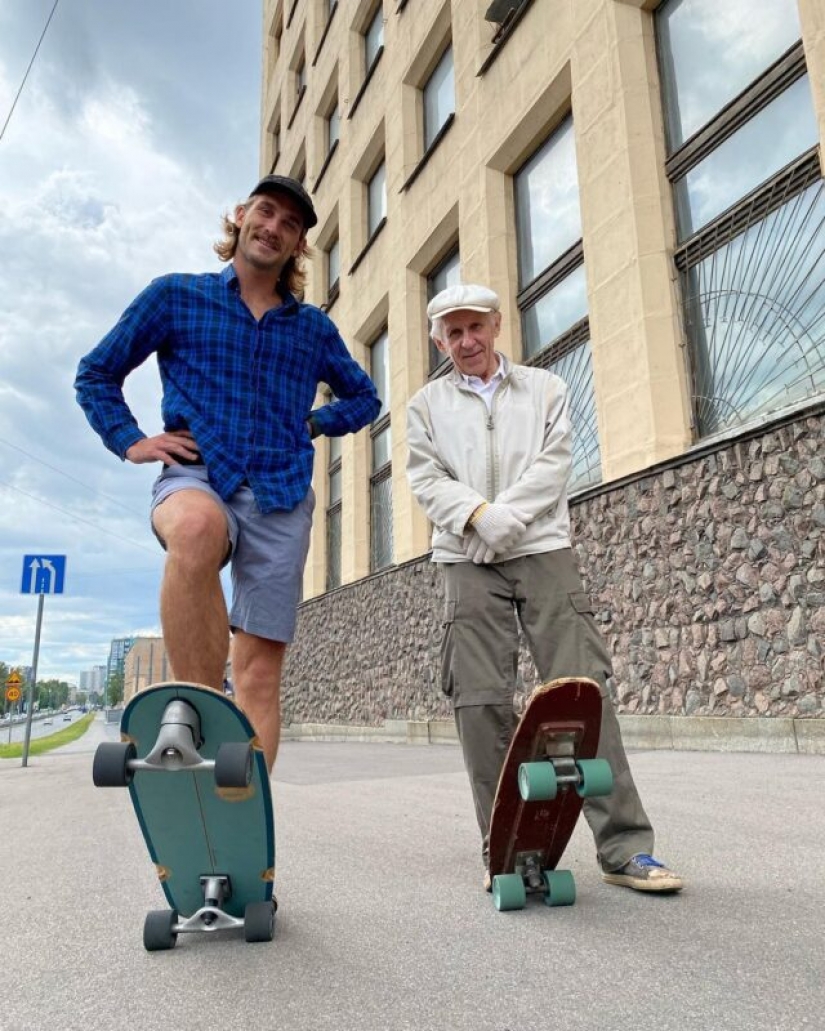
462,297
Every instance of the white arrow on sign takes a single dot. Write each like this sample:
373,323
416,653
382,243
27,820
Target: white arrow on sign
50,567
34,565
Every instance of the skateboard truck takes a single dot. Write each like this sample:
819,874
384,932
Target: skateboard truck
162,926
217,889
175,749
178,740
528,866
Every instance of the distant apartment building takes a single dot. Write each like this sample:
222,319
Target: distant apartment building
145,664
118,650
642,184
93,681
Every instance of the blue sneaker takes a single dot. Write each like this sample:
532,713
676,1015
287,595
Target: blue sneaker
644,873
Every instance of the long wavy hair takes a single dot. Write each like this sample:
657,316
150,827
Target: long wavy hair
293,275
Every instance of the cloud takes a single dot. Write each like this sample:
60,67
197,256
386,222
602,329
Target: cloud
94,204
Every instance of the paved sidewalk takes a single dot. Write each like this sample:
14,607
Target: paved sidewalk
383,925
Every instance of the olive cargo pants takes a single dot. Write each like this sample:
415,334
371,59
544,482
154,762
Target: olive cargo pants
483,607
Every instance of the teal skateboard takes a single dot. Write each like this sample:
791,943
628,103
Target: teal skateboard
200,788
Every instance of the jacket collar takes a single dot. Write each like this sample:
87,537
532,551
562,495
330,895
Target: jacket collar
506,368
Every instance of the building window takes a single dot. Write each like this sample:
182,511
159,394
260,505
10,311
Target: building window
439,98
300,83
447,273
276,145
299,171
333,270
333,127
552,295
376,200
374,40
334,513
750,208
381,545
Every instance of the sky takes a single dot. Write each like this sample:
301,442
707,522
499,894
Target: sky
137,128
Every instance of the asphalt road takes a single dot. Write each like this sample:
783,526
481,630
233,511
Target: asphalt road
42,726
383,925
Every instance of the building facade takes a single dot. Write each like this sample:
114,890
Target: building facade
146,663
642,184
118,650
93,681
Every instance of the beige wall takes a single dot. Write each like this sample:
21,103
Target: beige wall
145,664
594,57
812,17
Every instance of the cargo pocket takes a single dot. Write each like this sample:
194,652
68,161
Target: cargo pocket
448,649
580,600
590,657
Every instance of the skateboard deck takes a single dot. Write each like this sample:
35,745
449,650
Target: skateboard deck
200,788
549,770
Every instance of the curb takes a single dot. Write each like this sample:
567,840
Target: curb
676,733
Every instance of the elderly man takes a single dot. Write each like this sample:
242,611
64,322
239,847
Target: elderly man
489,462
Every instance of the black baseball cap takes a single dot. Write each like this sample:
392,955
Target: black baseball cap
284,184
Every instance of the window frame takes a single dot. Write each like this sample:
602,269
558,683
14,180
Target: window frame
334,514
746,213
379,475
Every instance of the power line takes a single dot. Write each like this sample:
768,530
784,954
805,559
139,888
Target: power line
68,476
23,83
77,518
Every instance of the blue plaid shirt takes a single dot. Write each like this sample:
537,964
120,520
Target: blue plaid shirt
244,388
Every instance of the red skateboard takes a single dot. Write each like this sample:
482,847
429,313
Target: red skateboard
549,770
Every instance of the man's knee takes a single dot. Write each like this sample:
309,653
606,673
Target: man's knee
192,527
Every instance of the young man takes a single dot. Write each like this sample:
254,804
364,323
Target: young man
489,462
240,361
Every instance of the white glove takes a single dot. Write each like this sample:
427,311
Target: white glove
500,526
476,550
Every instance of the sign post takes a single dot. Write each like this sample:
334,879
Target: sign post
42,575
13,693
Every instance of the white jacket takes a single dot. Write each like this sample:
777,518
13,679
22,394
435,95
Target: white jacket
520,453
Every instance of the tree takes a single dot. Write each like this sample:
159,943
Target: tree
52,694
114,688
4,674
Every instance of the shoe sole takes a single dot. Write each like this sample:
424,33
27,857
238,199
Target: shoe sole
661,885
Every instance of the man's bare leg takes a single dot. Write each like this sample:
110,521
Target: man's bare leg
192,605
256,672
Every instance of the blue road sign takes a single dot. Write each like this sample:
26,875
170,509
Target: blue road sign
43,574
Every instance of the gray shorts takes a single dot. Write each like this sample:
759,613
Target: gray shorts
267,553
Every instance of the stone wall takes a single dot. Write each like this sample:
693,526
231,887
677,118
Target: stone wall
708,578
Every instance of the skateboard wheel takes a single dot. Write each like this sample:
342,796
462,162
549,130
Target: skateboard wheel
233,764
159,930
596,778
509,892
110,767
537,782
561,888
259,922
